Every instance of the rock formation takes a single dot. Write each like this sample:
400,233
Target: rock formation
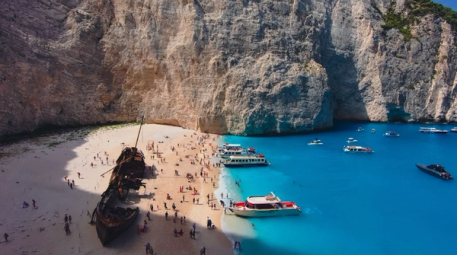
221,66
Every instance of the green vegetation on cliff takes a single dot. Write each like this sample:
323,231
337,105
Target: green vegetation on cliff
417,8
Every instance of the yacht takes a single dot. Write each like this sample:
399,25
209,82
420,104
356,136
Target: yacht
246,160
432,130
351,140
435,170
357,149
391,134
316,141
264,206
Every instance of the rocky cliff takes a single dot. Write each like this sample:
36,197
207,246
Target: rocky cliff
222,66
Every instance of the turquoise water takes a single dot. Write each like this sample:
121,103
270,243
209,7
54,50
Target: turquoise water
352,203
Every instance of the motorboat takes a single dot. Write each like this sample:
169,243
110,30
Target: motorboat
357,149
359,129
351,140
435,170
246,160
391,134
454,129
316,141
432,130
264,206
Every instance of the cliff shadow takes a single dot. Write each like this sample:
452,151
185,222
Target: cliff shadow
343,75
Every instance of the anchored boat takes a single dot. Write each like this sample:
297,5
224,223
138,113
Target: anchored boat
435,170
265,206
242,161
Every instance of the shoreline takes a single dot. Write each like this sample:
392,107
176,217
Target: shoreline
38,173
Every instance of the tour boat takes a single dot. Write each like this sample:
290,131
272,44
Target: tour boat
236,150
432,130
435,170
264,206
351,140
454,129
315,142
391,134
246,160
357,149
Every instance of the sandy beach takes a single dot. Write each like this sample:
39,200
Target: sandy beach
39,169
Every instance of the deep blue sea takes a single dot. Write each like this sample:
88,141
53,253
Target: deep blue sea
352,203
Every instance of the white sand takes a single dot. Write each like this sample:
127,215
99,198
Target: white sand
38,171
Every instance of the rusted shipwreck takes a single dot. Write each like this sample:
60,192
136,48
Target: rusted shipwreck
111,220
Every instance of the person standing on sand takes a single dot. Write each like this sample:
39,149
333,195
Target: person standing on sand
6,237
203,251
194,227
69,219
149,215
79,175
33,202
166,215
148,246
66,218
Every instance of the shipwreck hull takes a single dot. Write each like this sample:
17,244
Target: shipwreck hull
111,224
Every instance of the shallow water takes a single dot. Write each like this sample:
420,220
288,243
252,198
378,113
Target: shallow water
352,203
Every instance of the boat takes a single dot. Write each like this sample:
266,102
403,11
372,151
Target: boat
432,130
351,140
454,129
264,206
316,141
246,160
391,134
110,219
236,150
360,129
435,170
357,149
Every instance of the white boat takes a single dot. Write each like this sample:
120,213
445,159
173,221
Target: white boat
454,129
351,140
357,149
265,206
248,160
359,129
391,134
432,130
315,142
235,150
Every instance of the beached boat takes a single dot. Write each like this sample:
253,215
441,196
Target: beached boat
351,140
315,142
435,170
265,206
110,219
248,160
357,149
391,134
432,130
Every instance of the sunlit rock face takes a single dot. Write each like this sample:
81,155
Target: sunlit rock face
221,66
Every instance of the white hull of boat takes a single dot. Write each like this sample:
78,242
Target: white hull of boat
265,212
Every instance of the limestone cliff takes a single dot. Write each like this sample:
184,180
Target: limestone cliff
222,66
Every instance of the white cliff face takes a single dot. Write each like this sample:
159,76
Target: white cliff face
240,67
